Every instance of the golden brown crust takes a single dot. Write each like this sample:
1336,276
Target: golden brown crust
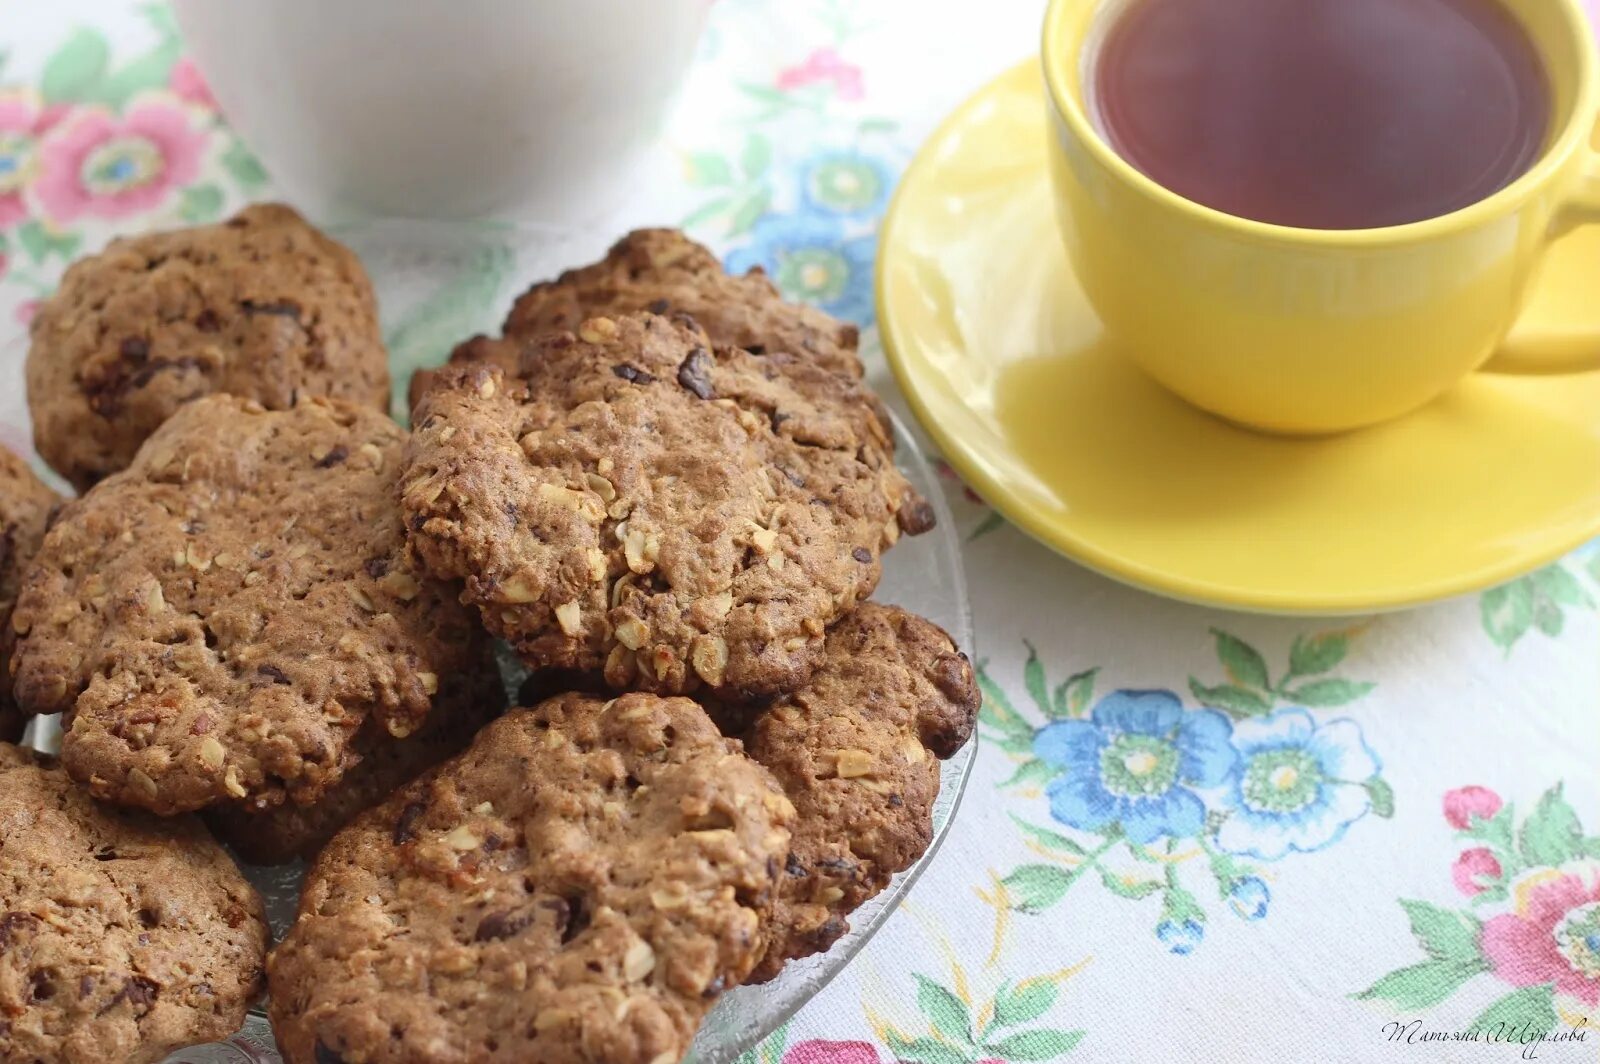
262,306
26,507
122,937
578,887
855,750
662,271
637,503
279,834
219,619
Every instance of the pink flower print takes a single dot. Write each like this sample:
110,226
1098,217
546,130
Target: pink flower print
1552,937
190,85
1463,803
99,164
948,473
22,121
820,1051
25,310
823,65
1475,870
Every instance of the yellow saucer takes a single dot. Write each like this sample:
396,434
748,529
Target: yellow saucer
1006,366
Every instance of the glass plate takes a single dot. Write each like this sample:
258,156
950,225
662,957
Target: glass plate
439,283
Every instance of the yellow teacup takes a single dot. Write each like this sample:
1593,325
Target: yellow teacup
1310,330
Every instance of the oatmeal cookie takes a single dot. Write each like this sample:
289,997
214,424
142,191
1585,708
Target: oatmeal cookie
219,619
26,506
262,306
122,937
855,750
637,503
277,834
578,887
664,272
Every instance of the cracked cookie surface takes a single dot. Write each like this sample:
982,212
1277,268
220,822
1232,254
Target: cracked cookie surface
262,306
26,506
662,271
279,834
122,937
856,750
639,504
578,887
218,619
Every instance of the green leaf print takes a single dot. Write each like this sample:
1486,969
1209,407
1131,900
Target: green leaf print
1552,833
1028,1000
1444,933
926,1051
1052,840
1536,601
1033,680
149,71
706,211
1322,694
1250,690
1042,1044
1531,1008
709,168
1071,698
73,71
1561,587
948,1013
1315,654
200,203
756,157
1243,663
1127,887
1235,701
245,169
41,242
1036,887
1423,985
749,212
1028,773
1381,795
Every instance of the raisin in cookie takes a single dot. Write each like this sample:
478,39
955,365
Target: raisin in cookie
636,503
855,750
278,834
578,887
262,306
122,937
663,272
26,506
219,619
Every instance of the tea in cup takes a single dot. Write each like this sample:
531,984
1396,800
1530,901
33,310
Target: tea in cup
1313,215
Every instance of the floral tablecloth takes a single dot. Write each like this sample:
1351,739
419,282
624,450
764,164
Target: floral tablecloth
1190,835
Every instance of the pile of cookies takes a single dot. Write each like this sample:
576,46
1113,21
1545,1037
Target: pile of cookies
269,620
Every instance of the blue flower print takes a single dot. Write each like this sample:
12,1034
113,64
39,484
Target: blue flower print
1249,898
810,259
1180,937
1133,763
1300,784
845,183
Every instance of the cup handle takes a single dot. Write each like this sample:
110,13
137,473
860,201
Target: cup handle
1575,349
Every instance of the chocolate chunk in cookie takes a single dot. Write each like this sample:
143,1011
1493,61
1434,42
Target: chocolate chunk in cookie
219,619
578,887
262,306
26,506
661,271
278,834
855,750
122,937
633,502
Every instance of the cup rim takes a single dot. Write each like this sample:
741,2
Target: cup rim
1581,120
